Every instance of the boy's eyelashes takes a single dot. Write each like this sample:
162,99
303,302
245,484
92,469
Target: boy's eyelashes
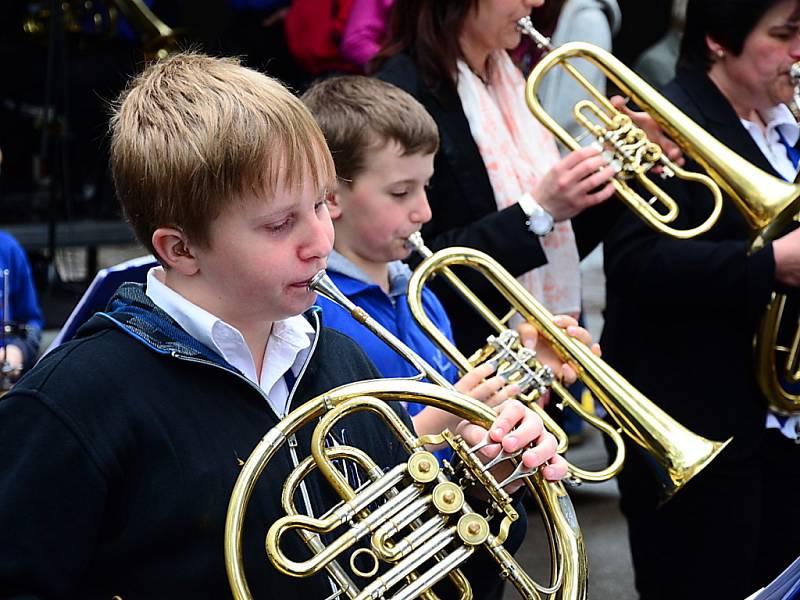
279,226
285,224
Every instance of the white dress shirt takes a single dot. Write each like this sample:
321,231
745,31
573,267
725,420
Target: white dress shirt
288,345
768,141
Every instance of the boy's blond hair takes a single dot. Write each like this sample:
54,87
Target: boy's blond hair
360,114
193,133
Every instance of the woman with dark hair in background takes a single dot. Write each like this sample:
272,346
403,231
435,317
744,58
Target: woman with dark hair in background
499,183
734,527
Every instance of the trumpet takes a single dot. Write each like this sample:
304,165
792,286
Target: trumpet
767,203
412,525
679,453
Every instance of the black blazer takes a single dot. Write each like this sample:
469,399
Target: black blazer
681,314
464,208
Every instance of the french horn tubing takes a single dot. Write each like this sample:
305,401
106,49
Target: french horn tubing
412,524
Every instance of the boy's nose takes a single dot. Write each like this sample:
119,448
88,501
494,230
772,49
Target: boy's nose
422,211
319,240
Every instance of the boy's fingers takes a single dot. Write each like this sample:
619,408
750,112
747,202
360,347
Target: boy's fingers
565,321
528,335
509,414
580,334
544,450
556,469
473,378
516,426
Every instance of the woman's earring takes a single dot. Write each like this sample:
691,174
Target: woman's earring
720,53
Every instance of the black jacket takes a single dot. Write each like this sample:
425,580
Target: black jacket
120,451
681,314
464,208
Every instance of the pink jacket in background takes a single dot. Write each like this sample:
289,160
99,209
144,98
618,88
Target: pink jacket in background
365,30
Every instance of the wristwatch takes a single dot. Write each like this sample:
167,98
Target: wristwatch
539,220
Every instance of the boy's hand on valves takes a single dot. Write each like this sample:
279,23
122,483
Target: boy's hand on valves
516,427
491,390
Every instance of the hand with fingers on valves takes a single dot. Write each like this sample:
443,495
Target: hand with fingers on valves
517,432
545,354
576,182
583,178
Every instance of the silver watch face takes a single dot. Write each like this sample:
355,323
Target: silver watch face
540,223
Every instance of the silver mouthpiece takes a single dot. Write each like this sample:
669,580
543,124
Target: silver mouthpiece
526,26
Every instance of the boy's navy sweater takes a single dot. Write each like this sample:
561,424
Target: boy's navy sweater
120,451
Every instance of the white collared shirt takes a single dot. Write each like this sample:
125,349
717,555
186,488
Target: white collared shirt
768,141
287,347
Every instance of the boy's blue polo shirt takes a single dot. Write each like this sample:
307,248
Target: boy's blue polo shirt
390,310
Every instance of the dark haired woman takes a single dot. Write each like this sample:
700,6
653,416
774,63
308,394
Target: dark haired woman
734,527
499,183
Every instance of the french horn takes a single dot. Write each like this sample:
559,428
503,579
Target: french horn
679,453
413,524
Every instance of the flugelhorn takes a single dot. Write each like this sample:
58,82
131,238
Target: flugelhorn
767,203
679,454
412,525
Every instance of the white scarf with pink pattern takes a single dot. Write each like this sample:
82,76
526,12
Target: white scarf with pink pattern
517,152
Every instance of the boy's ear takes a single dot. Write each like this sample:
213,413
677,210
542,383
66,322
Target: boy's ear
174,250
335,203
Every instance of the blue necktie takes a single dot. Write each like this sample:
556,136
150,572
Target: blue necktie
791,152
